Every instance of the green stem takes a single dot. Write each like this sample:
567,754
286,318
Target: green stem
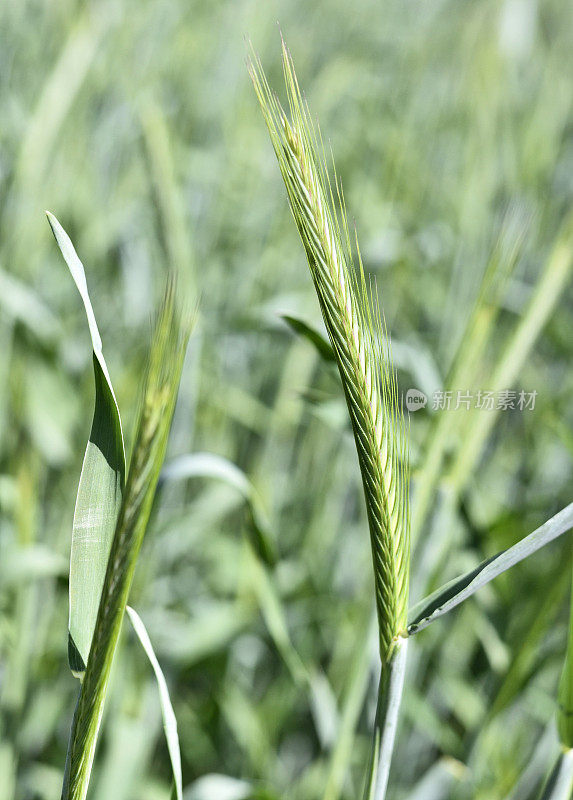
66,781
565,691
386,722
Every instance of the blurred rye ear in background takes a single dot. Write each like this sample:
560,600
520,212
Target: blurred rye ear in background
110,521
358,336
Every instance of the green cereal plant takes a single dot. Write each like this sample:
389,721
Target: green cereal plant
361,350
112,511
358,338
353,321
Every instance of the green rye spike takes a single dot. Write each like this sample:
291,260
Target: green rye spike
358,337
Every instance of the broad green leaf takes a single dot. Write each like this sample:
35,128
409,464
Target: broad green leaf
456,591
210,465
169,721
101,484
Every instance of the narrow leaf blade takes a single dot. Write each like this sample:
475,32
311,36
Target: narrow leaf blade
315,337
100,488
169,720
456,591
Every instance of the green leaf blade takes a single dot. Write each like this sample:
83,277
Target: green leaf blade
312,335
100,488
169,720
459,589
97,506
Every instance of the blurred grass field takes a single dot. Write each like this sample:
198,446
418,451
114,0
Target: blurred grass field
135,123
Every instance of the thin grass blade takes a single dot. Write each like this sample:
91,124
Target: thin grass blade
459,589
169,720
478,333
548,291
274,615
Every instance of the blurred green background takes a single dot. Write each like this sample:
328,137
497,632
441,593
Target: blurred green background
135,123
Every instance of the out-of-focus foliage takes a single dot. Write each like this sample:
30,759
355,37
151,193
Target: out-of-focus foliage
135,122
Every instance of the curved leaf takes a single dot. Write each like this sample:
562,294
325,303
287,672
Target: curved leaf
169,721
100,488
210,465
